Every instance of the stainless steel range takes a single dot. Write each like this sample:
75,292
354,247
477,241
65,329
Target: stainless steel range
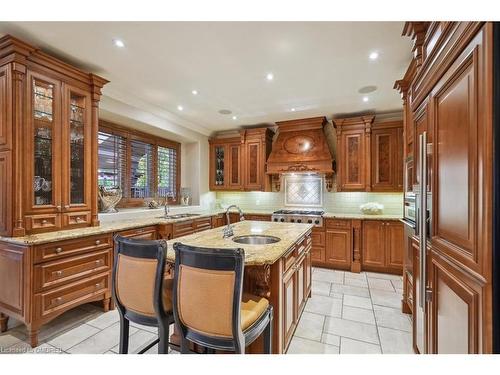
314,217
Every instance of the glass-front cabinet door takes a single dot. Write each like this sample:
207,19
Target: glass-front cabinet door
76,130
218,171
43,157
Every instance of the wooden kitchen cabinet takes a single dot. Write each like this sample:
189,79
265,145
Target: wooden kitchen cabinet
225,164
47,143
238,163
338,247
370,154
387,156
383,243
145,233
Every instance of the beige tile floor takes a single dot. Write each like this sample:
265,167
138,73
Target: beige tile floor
347,313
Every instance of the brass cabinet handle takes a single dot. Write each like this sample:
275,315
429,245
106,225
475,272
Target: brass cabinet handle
58,250
98,285
44,221
58,299
97,242
59,273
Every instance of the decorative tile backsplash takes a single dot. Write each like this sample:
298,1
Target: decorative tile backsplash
303,191
332,202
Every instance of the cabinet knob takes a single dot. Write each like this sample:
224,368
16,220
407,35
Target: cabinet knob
78,219
59,273
66,207
98,285
58,250
58,299
44,221
97,262
97,242
58,208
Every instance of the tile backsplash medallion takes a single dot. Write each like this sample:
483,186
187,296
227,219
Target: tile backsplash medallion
332,202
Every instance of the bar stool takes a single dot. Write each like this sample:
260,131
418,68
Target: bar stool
209,305
141,291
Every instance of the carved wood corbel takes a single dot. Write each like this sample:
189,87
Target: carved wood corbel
257,280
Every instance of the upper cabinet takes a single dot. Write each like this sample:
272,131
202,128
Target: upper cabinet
48,161
239,163
369,154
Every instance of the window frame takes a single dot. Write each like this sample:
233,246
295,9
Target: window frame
130,135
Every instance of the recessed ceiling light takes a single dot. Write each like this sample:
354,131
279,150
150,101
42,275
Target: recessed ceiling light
194,92
118,43
180,107
270,76
225,111
234,117
293,110
373,56
365,98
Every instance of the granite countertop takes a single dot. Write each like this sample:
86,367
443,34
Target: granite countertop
360,216
254,254
109,225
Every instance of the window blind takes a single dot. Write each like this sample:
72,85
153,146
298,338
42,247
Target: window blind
141,169
112,160
167,172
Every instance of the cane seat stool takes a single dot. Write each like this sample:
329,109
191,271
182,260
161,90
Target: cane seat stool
141,290
209,305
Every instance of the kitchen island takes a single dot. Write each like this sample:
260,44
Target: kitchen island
280,272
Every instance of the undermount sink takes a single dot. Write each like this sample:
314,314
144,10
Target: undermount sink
256,239
178,216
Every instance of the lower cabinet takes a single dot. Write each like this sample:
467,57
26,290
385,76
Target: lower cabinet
145,233
289,305
383,243
338,239
296,288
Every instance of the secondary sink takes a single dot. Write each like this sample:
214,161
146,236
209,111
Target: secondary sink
178,216
256,239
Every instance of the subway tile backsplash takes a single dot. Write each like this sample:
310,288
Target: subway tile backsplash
332,202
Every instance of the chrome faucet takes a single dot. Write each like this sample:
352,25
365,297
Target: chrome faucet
228,229
167,206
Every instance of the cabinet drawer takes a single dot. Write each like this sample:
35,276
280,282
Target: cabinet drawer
65,270
337,223
43,222
70,295
203,224
56,250
145,233
290,258
76,219
318,239
258,217
183,228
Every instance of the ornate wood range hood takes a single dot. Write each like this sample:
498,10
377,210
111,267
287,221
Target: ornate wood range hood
301,147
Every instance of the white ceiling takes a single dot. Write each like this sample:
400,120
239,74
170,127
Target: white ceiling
318,67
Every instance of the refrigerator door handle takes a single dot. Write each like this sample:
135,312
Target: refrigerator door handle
423,218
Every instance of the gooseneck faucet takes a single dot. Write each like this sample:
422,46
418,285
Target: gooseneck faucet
228,229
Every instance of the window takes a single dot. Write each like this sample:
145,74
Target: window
141,169
112,151
142,165
167,172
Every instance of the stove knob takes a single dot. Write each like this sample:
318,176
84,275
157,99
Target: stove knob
275,219
299,220
292,220
316,221
309,221
282,220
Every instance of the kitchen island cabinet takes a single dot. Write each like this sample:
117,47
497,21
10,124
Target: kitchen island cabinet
280,272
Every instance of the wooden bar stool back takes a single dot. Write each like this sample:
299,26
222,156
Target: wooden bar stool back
209,305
